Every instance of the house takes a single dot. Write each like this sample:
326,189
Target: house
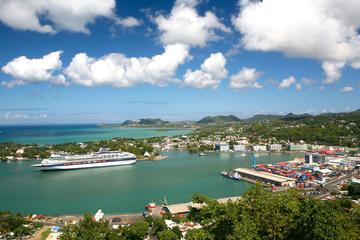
239,148
259,148
297,147
275,147
222,147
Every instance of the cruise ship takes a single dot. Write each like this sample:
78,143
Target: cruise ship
102,158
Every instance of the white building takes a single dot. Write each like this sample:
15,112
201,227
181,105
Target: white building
275,147
297,147
259,148
239,148
20,151
222,147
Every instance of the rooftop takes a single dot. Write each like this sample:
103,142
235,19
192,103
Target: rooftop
265,175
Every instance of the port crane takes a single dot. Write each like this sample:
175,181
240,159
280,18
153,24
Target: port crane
253,161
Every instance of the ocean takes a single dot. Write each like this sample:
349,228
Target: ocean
55,134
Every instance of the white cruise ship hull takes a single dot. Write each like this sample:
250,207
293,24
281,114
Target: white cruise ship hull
44,167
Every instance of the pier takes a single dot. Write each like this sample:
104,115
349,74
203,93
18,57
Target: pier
256,176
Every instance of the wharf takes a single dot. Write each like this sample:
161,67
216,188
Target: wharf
257,176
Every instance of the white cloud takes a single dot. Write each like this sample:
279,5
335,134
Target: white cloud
128,22
315,29
287,82
245,78
298,87
25,70
347,89
185,25
211,72
58,15
120,71
307,81
332,71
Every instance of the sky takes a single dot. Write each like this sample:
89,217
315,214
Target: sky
106,61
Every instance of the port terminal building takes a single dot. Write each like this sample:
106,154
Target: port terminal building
264,177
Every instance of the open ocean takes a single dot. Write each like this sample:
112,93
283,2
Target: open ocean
55,134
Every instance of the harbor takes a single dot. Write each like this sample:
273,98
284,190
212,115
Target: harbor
315,174
123,189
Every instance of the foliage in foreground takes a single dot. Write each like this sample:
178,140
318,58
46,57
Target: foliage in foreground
287,215
88,229
13,223
259,215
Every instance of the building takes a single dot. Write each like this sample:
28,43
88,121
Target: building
314,158
259,148
266,177
222,147
275,147
20,151
239,148
297,147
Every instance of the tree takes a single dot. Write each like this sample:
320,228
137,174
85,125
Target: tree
88,229
261,214
198,234
167,235
138,230
354,190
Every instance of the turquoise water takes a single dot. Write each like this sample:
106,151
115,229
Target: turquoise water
122,189
54,134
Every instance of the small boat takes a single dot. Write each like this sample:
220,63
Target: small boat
243,154
202,154
231,174
150,205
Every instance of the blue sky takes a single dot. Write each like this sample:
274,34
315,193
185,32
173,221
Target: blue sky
176,60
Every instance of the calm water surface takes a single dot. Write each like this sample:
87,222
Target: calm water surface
54,134
124,188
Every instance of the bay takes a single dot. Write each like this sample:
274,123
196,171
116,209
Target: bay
56,134
122,189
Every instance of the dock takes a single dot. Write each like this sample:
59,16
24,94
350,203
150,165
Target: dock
257,176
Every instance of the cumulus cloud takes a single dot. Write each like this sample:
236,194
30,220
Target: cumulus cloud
332,71
185,25
245,78
347,89
287,82
128,22
315,29
210,74
120,71
50,16
25,70
298,87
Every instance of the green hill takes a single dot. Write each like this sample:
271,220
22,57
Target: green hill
219,119
145,121
263,117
